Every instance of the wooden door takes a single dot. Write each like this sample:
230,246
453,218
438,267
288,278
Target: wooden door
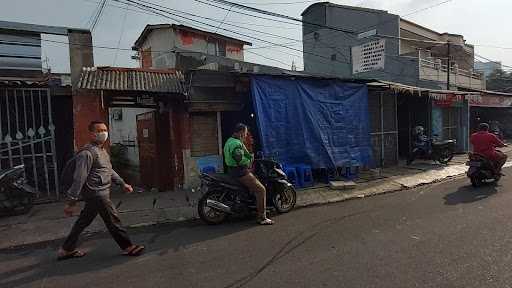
147,137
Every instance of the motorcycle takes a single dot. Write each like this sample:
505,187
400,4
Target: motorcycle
481,170
226,196
498,133
440,151
496,130
16,197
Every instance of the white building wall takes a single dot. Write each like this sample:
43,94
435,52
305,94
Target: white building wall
169,40
161,42
125,131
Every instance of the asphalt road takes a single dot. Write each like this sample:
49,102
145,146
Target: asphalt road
445,235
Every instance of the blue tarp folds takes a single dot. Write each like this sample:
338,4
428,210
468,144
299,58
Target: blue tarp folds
323,123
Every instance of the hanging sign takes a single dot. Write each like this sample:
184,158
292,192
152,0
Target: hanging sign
486,100
447,99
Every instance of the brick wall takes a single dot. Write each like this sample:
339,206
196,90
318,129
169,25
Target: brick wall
180,141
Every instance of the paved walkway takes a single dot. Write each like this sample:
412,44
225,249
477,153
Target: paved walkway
46,223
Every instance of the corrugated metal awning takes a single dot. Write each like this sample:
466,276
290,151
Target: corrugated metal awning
132,79
413,89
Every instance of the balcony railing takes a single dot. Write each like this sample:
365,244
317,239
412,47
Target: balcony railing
436,71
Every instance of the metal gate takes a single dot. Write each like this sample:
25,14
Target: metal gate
27,136
384,127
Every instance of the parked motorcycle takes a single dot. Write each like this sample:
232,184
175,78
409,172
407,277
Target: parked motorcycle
226,196
481,170
16,197
496,129
440,151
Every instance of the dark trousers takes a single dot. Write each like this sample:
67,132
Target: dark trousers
107,211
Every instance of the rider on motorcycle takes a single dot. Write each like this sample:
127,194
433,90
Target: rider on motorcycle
421,145
485,143
238,160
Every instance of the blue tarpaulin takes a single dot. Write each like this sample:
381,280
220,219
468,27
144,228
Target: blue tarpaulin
323,123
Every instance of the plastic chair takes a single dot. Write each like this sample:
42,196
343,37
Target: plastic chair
208,170
327,175
305,175
291,173
352,171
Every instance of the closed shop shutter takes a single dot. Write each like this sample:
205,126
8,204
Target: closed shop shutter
204,134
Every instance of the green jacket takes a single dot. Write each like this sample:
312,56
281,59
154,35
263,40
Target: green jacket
235,153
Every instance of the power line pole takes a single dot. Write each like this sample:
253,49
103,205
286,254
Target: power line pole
449,66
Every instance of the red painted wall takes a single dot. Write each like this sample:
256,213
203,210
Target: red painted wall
87,107
180,139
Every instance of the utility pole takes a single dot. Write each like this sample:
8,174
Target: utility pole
449,68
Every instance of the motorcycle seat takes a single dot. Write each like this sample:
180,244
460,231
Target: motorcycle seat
443,142
225,178
479,157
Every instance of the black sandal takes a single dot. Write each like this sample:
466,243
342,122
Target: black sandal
71,255
135,251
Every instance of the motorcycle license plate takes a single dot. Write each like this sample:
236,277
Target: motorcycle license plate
474,163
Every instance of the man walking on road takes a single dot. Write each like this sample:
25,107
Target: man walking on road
92,179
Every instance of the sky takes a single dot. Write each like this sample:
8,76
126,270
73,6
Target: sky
485,24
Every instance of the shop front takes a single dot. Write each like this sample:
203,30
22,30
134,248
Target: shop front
493,108
450,113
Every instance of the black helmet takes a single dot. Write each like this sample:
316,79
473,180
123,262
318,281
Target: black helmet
483,127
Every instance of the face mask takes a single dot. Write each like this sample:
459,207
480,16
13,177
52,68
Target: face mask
101,137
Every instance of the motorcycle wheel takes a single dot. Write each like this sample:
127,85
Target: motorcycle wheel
207,214
24,205
14,206
284,198
476,182
445,156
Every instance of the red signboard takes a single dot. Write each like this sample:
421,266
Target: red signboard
479,100
446,100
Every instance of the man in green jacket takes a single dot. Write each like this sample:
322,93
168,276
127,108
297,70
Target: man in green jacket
238,159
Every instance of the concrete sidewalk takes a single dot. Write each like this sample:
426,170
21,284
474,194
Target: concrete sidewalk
47,223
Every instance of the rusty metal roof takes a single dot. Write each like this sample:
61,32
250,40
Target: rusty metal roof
132,79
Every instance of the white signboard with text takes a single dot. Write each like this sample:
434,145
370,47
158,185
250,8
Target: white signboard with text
368,57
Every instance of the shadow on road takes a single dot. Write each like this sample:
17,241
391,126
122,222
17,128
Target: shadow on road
104,255
469,194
